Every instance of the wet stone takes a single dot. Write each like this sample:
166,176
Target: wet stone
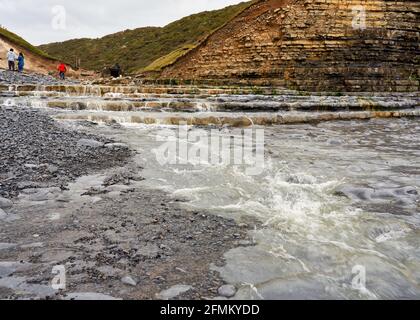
404,196
32,245
89,143
150,251
86,296
31,166
52,169
5,246
227,291
129,281
3,214
109,271
117,146
9,267
173,292
39,197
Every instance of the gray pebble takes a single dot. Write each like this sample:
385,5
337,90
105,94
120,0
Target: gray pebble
89,143
129,281
3,214
5,203
227,291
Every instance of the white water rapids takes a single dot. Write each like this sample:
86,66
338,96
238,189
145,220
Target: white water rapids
332,198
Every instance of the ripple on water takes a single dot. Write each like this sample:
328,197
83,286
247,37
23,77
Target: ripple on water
403,200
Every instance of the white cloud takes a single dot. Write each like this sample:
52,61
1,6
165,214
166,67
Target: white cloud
95,18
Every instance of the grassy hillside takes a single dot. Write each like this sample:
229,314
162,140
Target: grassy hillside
138,48
15,39
168,59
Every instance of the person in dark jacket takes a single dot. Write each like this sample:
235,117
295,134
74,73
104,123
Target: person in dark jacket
115,71
21,62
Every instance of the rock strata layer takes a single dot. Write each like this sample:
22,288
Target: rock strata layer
335,45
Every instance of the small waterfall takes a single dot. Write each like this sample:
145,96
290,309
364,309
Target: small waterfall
218,119
212,107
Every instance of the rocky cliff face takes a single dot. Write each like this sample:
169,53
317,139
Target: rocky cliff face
339,45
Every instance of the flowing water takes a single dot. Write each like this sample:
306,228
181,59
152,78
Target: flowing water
336,208
332,198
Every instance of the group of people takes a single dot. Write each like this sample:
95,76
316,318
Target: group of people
12,58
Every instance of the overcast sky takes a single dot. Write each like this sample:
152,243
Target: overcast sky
44,21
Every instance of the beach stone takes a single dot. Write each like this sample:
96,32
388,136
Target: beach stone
52,169
109,271
5,246
32,245
149,251
41,195
227,291
5,203
7,268
89,143
3,214
31,166
173,292
117,146
129,281
86,296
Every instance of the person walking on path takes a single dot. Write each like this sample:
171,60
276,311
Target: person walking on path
62,69
21,62
11,58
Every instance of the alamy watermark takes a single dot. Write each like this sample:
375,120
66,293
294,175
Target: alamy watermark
359,17
59,280
191,146
59,19
359,278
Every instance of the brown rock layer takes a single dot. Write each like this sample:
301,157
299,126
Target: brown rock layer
339,45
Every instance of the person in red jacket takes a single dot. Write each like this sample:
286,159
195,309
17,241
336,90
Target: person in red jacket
62,69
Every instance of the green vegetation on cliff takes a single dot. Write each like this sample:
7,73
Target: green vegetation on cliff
136,49
15,39
170,58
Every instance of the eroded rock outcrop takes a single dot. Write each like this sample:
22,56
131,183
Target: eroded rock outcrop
339,45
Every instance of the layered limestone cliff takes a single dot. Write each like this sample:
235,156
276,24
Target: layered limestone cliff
318,45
